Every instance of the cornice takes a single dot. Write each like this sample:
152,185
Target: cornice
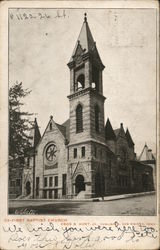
86,91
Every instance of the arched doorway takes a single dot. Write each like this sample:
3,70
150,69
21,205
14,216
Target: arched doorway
28,187
80,185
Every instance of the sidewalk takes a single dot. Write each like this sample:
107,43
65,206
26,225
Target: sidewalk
124,196
106,198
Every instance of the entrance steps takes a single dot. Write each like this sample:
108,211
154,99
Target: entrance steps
24,197
82,195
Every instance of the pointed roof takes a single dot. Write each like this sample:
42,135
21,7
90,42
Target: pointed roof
129,138
62,129
34,135
146,154
85,42
85,38
109,132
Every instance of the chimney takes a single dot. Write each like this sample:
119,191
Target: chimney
121,125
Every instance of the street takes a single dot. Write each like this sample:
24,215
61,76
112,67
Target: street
141,206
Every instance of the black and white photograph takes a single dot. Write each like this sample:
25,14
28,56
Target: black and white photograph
79,107
82,111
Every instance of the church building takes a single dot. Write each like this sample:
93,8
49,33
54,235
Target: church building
84,157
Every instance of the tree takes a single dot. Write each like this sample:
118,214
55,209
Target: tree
19,123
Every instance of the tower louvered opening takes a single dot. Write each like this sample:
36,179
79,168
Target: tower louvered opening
79,119
97,115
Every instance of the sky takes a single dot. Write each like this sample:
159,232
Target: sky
41,42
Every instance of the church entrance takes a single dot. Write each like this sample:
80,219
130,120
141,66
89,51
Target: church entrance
80,185
28,187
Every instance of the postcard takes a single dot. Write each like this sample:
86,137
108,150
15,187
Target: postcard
79,125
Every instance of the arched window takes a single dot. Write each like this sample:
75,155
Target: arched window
80,83
79,118
97,115
50,126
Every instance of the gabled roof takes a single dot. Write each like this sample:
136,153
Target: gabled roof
62,129
146,154
129,138
109,132
66,124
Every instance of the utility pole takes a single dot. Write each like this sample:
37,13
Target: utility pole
34,156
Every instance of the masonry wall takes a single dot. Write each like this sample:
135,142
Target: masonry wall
97,100
142,178
98,159
88,103
84,100
46,169
79,166
124,181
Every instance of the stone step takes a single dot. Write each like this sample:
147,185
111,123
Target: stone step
80,195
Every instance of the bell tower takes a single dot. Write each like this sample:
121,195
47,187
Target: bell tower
86,89
87,133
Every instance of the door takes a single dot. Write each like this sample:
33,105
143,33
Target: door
28,187
80,185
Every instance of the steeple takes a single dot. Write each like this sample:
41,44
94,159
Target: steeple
85,63
109,132
85,17
86,43
86,89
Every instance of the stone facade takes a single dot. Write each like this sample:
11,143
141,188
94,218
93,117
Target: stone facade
51,171
83,157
